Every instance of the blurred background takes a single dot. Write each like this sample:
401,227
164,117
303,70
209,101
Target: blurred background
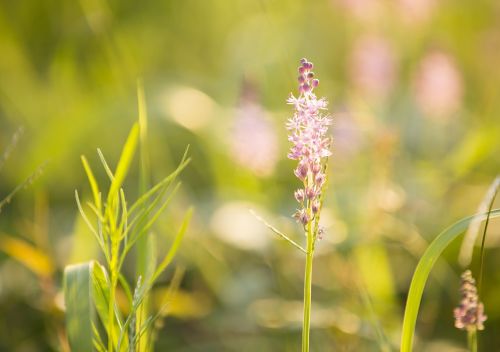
413,89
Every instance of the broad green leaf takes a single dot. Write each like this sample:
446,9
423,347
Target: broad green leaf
79,309
422,272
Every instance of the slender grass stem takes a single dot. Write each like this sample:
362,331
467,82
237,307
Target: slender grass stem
112,293
111,321
481,255
472,340
307,289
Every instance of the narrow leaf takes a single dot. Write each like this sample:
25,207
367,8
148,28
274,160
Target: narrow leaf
105,165
278,232
125,160
422,272
175,245
93,183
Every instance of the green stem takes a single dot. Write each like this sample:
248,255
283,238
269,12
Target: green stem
472,340
112,293
111,316
307,289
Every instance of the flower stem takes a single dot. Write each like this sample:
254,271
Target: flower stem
307,289
472,340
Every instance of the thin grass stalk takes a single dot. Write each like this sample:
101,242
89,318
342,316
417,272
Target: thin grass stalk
481,255
112,293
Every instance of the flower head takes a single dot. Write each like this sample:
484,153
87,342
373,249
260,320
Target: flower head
308,129
469,315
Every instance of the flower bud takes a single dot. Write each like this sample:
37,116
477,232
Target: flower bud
310,193
315,168
319,180
301,171
302,216
316,205
299,195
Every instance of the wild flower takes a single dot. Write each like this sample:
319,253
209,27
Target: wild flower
469,315
308,132
438,86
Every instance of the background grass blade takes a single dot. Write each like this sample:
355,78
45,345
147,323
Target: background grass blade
422,272
79,309
144,244
27,254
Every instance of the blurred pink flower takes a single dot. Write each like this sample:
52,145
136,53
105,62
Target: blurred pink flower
469,315
438,86
253,141
372,67
363,10
416,11
348,135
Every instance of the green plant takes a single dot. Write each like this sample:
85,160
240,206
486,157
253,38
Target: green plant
424,268
90,288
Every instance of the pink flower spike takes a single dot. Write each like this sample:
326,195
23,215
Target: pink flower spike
309,135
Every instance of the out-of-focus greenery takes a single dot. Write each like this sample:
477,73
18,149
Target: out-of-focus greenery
413,88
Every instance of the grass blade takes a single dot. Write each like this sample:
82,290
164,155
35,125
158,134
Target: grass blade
105,165
125,160
175,245
467,248
143,244
92,182
422,272
28,255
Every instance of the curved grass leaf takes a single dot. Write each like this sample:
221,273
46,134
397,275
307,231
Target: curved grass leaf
423,270
93,183
175,245
125,160
79,309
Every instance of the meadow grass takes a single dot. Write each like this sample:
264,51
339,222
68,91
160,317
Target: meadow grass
118,227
